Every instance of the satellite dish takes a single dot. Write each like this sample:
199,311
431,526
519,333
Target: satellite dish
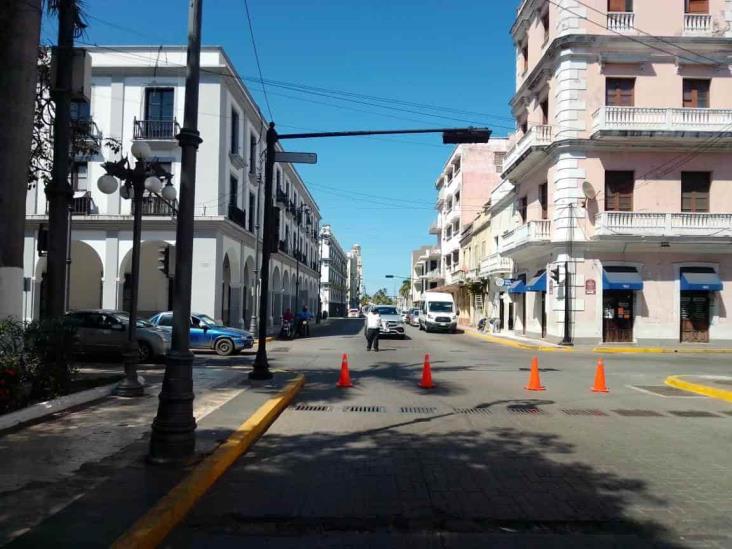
588,190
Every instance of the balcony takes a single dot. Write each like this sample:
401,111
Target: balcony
87,138
528,234
495,264
238,216
620,121
156,130
621,21
282,246
535,137
155,205
662,225
281,197
83,204
436,227
433,274
697,24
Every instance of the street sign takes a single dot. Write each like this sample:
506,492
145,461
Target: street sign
296,158
500,282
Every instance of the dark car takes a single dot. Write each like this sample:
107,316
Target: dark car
206,333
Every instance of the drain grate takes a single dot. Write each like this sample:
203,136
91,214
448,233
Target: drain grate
664,391
638,413
525,410
692,413
312,408
417,410
279,350
577,412
364,409
473,411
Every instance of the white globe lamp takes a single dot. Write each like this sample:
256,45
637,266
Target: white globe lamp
126,192
141,150
153,184
107,184
169,192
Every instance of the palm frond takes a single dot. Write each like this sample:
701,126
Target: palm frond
79,7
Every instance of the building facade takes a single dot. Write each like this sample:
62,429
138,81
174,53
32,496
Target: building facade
426,273
355,277
621,172
333,274
138,95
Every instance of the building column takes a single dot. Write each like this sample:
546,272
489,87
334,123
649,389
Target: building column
111,267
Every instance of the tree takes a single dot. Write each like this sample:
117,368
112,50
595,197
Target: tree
21,24
365,299
406,288
381,297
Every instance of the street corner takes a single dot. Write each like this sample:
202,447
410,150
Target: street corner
712,386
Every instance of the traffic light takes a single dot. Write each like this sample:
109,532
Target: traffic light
467,135
164,260
555,274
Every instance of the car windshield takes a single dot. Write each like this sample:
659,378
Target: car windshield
125,319
205,319
441,307
386,310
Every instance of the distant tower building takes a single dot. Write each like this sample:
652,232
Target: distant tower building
355,276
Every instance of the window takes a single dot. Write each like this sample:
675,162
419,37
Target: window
543,200
80,176
545,24
695,191
233,190
252,211
234,132
159,104
252,153
619,191
524,124
696,6
696,93
522,208
80,110
620,6
498,158
620,92
545,111
457,198
525,57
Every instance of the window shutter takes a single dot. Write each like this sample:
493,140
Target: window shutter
620,92
619,191
697,6
695,191
616,5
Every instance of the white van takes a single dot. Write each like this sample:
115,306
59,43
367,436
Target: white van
438,312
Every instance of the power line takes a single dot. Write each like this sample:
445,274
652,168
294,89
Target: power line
256,56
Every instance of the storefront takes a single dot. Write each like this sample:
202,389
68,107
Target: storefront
517,291
619,284
697,285
538,285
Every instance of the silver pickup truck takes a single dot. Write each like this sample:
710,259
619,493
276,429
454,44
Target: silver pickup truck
391,320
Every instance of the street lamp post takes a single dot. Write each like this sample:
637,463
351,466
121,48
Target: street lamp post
145,176
253,322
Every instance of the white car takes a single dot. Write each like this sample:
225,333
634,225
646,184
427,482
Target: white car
438,312
391,320
354,313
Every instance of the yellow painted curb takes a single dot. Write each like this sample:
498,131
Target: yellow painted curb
659,350
519,344
152,528
713,392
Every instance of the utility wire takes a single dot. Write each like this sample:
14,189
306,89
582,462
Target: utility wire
256,56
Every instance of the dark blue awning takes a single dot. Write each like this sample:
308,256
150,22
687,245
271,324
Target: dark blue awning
701,282
626,279
517,287
537,284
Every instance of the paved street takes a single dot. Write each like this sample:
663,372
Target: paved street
479,460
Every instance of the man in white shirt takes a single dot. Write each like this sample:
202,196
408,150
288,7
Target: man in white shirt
373,323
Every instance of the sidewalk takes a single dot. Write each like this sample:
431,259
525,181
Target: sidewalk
517,342
80,478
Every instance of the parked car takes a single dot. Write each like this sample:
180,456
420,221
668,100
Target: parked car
354,313
405,315
391,320
103,332
413,317
438,312
206,333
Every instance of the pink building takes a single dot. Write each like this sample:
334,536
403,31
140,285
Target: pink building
622,170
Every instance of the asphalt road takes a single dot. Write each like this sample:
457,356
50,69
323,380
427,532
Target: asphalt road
478,461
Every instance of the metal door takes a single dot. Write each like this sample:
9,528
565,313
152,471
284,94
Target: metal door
695,317
617,312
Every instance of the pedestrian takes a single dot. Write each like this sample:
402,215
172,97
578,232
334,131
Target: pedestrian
373,324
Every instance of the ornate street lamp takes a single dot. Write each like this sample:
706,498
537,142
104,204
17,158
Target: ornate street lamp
145,176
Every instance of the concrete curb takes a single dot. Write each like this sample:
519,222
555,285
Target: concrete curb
698,388
519,344
152,528
659,350
50,407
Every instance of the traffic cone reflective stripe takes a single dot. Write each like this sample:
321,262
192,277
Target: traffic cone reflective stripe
534,381
600,386
345,380
426,382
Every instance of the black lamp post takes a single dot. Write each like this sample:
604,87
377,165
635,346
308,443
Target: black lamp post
145,176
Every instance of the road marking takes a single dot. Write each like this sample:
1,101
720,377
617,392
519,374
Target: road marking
713,392
648,392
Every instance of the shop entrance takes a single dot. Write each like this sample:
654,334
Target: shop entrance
543,314
617,312
695,317
501,312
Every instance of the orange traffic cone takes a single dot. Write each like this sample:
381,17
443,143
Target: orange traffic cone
426,382
600,386
345,379
534,381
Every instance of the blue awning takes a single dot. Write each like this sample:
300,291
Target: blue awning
626,279
701,282
537,284
517,287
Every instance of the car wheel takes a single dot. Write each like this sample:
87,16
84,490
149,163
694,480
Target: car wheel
224,347
144,352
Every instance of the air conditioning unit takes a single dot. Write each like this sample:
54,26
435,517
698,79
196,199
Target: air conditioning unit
80,74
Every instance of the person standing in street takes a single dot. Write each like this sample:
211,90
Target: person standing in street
373,323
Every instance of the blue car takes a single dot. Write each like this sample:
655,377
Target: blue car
206,333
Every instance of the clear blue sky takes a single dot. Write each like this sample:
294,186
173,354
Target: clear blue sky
455,55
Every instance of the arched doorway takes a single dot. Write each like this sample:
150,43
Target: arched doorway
286,292
249,283
226,292
155,290
85,277
277,296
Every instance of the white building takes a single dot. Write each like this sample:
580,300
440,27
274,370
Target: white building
138,94
355,277
333,274
426,273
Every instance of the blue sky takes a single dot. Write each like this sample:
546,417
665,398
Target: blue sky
375,192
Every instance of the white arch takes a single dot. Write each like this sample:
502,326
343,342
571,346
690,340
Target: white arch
155,288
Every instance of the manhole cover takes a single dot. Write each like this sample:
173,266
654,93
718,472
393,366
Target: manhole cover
638,413
693,413
540,369
525,410
279,350
366,409
571,412
665,391
312,408
473,411
417,410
